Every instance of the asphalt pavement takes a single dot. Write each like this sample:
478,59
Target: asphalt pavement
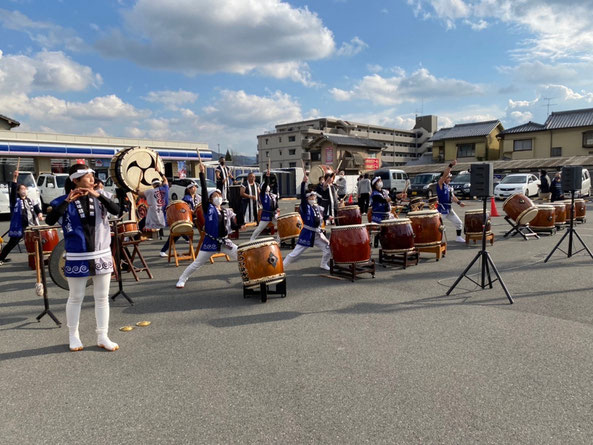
389,359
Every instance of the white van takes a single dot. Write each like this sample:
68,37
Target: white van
586,187
393,180
51,186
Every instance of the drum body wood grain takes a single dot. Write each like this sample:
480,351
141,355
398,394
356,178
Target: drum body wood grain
545,218
289,226
397,236
260,262
127,228
474,220
350,244
49,241
349,215
519,208
579,209
198,218
559,213
428,230
179,218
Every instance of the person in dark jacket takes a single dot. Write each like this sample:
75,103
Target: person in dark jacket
544,186
24,213
329,197
556,188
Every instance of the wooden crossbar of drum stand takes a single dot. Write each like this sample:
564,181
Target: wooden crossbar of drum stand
352,270
404,259
291,243
522,229
219,255
478,237
263,290
190,255
440,250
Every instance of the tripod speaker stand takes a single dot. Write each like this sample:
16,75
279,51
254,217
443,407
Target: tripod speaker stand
570,232
118,248
486,263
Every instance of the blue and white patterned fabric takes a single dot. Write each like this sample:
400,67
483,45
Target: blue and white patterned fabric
312,217
381,208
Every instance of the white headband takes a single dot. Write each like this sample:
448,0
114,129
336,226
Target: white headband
376,179
214,191
80,173
314,193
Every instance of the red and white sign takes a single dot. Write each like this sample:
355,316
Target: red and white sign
371,163
329,155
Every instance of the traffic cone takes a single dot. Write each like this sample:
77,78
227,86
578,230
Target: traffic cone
493,211
350,199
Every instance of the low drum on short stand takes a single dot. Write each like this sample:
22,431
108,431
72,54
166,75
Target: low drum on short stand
427,227
559,213
545,220
397,236
49,241
579,210
350,244
520,208
179,218
289,226
474,221
348,215
260,262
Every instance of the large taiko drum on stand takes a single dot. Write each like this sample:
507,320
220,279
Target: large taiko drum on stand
134,168
559,213
49,241
519,208
348,215
179,218
260,262
427,226
474,220
317,171
397,236
289,226
350,244
545,218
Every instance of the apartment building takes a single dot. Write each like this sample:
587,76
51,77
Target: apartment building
284,147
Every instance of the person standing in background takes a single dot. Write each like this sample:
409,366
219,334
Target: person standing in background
556,188
364,192
223,178
544,186
249,193
341,185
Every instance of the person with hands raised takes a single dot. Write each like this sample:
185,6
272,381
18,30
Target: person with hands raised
446,198
269,211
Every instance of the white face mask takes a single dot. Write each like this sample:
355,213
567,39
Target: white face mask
217,201
313,202
379,185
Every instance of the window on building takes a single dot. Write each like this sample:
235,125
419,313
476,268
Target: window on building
556,151
279,139
316,156
522,144
466,150
280,152
292,164
267,154
266,141
280,165
291,138
588,139
292,152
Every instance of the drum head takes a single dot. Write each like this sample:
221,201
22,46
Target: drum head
137,167
288,215
56,264
182,228
257,243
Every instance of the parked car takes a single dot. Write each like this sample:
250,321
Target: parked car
423,185
586,187
51,186
525,183
177,187
393,180
109,185
4,199
461,184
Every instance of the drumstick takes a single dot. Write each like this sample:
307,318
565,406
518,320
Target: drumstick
38,266
18,163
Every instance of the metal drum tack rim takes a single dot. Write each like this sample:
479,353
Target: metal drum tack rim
244,259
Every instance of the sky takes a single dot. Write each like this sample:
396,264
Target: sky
223,71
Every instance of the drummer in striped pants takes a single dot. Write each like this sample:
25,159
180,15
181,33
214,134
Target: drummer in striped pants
311,235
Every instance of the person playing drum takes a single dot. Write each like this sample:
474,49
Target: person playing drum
446,198
219,223
83,214
25,213
223,178
311,234
193,200
269,211
380,204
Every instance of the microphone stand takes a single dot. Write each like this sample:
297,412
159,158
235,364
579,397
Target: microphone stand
118,265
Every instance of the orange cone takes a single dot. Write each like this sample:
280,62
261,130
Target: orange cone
350,199
493,211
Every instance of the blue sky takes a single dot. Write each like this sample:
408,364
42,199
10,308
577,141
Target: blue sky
224,71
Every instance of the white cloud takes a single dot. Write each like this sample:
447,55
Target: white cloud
47,70
563,93
295,71
355,46
171,99
237,36
406,88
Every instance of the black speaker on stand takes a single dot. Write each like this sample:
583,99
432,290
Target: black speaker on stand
572,180
481,186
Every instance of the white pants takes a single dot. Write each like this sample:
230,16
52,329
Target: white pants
320,241
261,227
77,288
452,216
203,257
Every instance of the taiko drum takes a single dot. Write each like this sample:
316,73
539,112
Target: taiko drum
545,218
260,262
350,244
520,208
349,215
559,213
179,218
579,209
474,220
397,236
49,240
427,227
289,226
127,228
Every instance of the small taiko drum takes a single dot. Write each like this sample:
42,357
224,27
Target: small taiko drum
559,213
150,233
427,227
350,244
579,209
474,220
416,204
179,218
349,215
198,217
433,202
49,241
289,226
260,262
545,218
397,236
519,208
127,228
